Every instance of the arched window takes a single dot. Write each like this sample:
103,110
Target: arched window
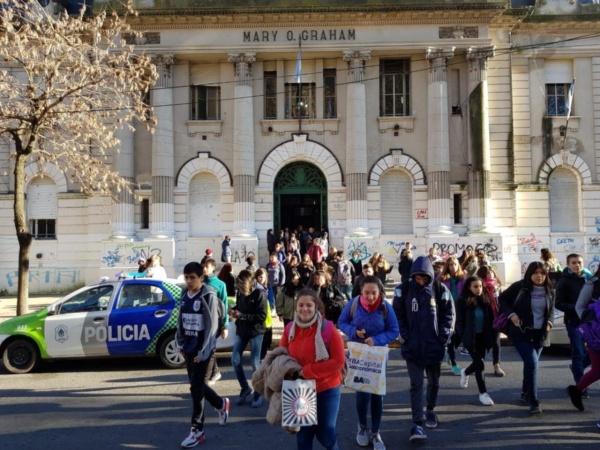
565,201
205,205
396,202
42,207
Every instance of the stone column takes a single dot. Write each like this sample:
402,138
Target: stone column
163,215
243,146
438,143
479,130
123,222
356,142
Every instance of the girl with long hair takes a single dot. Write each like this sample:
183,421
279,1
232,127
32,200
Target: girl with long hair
474,324
453,278
492,284
529,306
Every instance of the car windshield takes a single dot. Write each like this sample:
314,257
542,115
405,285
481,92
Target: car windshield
93,299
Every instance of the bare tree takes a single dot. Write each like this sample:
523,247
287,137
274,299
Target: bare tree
67,84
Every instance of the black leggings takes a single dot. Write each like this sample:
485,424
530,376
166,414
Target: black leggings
477,366
452,349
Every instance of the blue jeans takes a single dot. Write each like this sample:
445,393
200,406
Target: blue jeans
239,344
362,405
271,293
530,355
328,404
580,358
347,291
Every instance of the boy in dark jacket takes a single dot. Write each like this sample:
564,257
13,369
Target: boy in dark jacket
197,325
567,291
426,325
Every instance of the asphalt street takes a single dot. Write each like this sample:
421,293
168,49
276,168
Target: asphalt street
138,404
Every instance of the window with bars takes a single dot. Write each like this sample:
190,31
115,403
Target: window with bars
43,228
329,97
557,95
270,80
300,100
205,103
394,79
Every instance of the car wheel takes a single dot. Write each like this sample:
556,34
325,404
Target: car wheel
20,356
170,354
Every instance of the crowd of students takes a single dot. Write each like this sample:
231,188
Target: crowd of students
312,292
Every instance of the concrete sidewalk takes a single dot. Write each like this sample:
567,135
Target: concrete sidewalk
8,305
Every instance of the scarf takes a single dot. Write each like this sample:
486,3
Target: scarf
321,350
371,308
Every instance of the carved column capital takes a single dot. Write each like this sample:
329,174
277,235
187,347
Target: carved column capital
242,63
438,58
478,59
356,60
164,66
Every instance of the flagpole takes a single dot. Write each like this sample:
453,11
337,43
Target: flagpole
569,104
299,81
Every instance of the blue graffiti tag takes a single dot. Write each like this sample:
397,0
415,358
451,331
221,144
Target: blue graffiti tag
361,248
112,259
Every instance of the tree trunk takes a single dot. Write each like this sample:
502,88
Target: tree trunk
23,235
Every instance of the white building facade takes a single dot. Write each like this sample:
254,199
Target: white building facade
442,125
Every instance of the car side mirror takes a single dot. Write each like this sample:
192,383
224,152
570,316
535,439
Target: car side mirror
51,310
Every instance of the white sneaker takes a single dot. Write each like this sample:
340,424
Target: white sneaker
464,379
485,399
362,437
196,437
377,442
224,412
214,379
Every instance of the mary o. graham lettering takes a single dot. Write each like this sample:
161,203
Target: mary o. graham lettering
305,35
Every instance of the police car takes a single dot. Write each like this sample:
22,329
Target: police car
124,317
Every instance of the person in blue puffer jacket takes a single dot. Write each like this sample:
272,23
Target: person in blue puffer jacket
425,312
369,319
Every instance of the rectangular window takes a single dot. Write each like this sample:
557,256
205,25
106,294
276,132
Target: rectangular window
270,79
300,100
557,95
394,87
205,103
329,103
458,207
43,228
454,88
145,214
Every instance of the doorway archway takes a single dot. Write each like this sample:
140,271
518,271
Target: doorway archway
300,197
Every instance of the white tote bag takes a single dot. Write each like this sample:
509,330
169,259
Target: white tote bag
366,368
299,403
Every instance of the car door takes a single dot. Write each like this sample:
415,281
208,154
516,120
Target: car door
78,326
140,315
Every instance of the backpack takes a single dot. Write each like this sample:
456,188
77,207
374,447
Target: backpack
343,276
354,305
327,328
437,287
590,330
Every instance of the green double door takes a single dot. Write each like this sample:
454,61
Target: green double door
300,197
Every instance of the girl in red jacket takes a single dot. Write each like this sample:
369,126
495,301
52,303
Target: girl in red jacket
321,361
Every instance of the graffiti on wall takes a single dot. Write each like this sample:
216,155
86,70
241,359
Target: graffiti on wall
239,254
593,264
50,276
597,223
394,248
445,249
128,253
529,244
364,252
593,244
567,244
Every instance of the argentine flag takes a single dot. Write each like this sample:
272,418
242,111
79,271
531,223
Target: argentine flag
299,65
570,99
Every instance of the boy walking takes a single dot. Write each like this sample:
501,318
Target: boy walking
567,292
197,326
425,312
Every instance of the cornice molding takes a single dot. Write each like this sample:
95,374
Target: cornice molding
325,19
